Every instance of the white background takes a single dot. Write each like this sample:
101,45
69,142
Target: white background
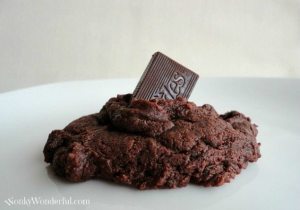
44,41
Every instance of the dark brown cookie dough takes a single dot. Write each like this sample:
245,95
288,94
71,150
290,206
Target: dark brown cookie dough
154,144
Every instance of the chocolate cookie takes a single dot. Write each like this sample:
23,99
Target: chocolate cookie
154,144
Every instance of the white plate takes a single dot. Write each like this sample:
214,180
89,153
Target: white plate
28,115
